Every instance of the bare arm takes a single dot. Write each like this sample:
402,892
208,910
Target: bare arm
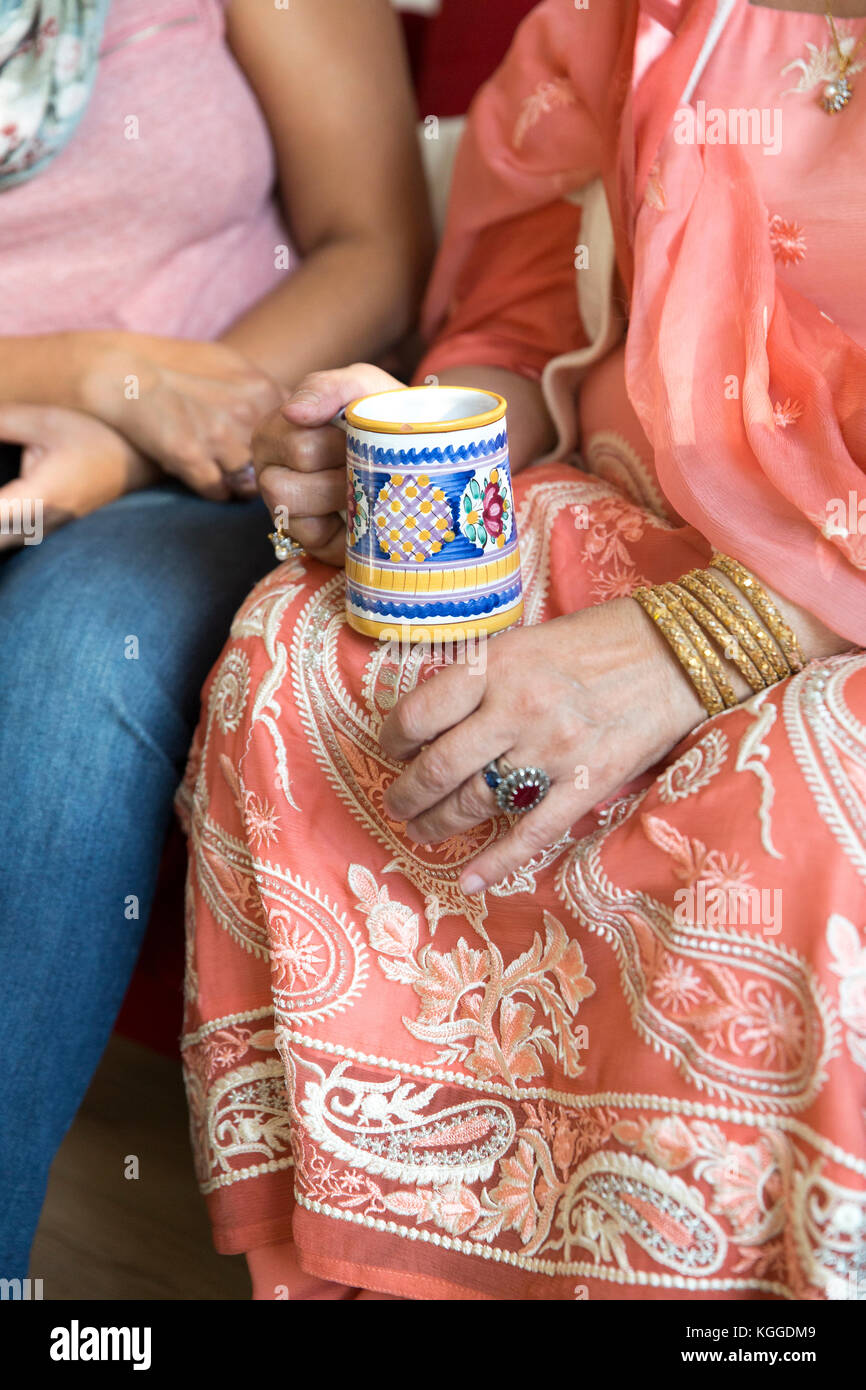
333,83
531,432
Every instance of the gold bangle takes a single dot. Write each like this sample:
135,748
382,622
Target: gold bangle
682,649
673,597
729,645
738,630
749,621
746,582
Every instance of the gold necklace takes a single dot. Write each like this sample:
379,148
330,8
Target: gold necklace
839,92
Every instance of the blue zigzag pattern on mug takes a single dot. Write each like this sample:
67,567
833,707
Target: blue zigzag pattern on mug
394,458
471,608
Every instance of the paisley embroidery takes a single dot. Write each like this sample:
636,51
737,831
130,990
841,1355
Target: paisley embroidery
753,755
607,455
829,1227
695,769
237,1112
319,962
849,963
261,616
829,744
381,1127
230,691
737,1014
225,879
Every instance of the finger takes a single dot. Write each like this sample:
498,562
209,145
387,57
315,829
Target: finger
303,495
431,708
319,397
317,532
332,554
530,835
448,770
200,473
471,804
243,481
244,491
233,455
276,443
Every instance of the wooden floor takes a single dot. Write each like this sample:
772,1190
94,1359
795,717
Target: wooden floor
103,1235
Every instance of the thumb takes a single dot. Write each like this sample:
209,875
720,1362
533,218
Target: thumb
319,397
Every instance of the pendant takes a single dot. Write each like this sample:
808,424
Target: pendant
836,95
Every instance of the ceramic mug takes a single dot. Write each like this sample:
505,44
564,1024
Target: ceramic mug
431,536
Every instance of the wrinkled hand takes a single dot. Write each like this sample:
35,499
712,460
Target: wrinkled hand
70,463
301,462
594,698
190,406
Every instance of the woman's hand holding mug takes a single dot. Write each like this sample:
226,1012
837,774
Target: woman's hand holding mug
300,460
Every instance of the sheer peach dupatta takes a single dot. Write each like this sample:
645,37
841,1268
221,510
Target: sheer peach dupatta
691,230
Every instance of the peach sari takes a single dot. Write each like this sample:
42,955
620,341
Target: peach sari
637,1067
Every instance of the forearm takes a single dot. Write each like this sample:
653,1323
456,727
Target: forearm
816,641
46,368
531,431
348,301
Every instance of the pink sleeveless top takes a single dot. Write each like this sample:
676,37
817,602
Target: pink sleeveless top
159,216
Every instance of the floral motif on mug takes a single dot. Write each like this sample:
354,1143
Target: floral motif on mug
413,518
357,508
486,513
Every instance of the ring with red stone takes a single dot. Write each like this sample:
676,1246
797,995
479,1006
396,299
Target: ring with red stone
518,789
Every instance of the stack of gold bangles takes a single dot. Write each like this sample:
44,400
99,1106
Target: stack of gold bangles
698,610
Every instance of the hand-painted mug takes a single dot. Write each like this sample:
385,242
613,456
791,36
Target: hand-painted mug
431,536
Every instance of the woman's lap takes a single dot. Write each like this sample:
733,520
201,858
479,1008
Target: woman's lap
107,630
649,1102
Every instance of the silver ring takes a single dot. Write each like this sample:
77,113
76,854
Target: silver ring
284,546
517,789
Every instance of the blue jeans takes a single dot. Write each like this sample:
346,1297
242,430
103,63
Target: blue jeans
107,633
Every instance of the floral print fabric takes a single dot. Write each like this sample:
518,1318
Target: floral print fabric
636,1068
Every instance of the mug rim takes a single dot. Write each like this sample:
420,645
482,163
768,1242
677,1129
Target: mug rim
487,417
